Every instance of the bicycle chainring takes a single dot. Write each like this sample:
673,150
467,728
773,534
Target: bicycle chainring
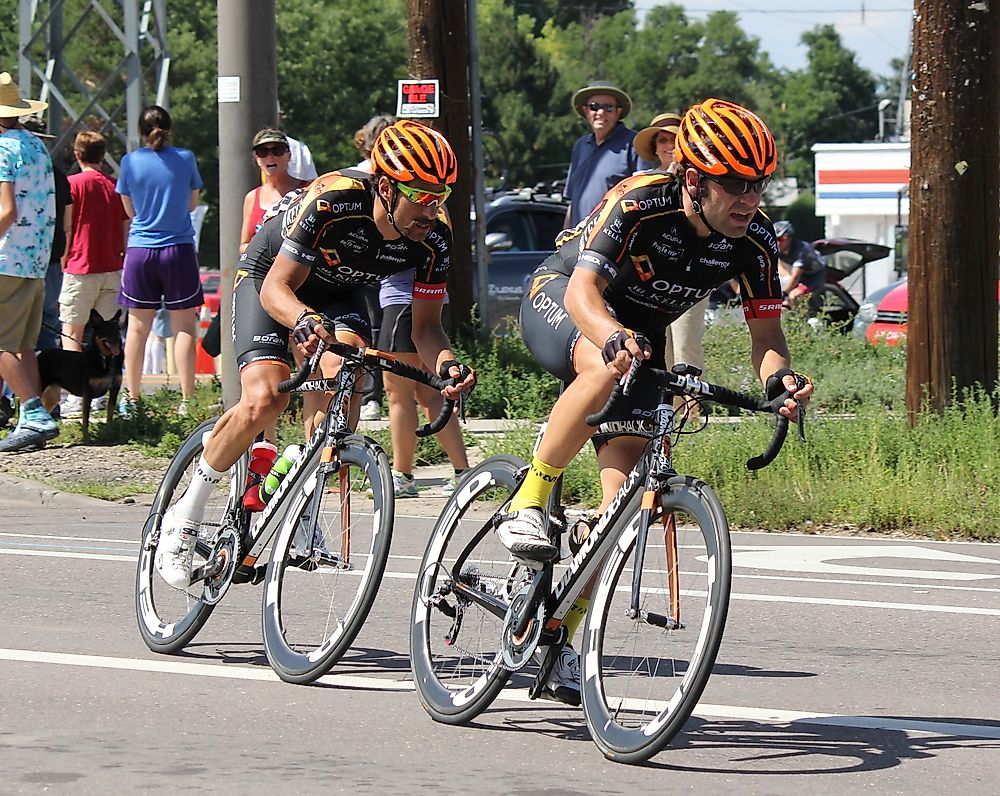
225,555
515,652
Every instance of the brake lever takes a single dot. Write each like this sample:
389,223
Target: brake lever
801,422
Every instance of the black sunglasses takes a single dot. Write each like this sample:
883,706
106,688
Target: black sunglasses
263,150
601,106
735,186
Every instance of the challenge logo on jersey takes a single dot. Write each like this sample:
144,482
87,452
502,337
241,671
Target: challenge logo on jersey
539,282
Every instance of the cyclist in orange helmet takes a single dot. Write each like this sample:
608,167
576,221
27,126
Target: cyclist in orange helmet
655,246
309,263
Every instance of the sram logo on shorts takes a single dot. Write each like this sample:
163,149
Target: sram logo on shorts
762,308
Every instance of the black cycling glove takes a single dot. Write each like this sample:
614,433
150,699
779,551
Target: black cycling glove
616,343
463,370
306,325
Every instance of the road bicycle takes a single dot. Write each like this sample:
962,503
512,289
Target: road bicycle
661,554
329,525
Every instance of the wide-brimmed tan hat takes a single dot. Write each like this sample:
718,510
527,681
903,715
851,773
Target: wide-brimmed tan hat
645,139
601,87
11,103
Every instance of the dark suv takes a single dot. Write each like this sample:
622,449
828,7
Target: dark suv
521,228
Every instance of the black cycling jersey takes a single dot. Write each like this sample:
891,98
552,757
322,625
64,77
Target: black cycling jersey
657,267
331,230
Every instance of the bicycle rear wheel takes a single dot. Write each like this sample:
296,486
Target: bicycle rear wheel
169,618
314,605
643,677
454,637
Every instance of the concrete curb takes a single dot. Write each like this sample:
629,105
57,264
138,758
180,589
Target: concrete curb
20,491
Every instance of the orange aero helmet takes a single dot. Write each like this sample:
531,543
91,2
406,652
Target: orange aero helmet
408,151
722,138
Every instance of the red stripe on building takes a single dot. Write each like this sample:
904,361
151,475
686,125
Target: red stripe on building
863,176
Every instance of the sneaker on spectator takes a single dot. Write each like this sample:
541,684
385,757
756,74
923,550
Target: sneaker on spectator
26,438
99,404
404,485
448,487
126,405
71,406
372,410
182,408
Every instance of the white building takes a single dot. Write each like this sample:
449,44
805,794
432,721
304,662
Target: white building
861,191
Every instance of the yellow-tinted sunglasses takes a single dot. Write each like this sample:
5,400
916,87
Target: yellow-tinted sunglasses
424,198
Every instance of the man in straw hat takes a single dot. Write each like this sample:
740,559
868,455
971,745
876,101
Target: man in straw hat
27,225
605,156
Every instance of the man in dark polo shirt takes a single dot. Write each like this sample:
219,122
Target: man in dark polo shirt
603,157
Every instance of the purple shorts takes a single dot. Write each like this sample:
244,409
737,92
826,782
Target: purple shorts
167,276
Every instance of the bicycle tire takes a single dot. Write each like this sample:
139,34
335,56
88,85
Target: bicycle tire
312,615
641,681
169,618
457,680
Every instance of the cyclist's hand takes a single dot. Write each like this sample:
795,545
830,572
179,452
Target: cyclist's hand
800,386
622,347
310,328
464,375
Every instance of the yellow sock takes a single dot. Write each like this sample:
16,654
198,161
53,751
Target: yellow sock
537,486
575,617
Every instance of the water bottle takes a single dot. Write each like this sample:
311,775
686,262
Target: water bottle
262,456
278,472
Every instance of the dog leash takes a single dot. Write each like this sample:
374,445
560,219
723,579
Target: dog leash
61,333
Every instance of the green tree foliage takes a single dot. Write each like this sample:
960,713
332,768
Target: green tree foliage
565,12
832,100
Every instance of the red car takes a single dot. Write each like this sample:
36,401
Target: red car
883,315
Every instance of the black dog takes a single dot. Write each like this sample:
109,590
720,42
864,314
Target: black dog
89,373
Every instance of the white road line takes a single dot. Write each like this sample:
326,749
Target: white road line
770,598
762,715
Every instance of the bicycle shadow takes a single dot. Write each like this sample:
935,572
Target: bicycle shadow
749,747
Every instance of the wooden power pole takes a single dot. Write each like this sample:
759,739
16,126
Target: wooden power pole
954,201
438,39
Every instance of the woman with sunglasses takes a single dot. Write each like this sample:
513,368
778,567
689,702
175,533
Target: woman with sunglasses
653,248
272,155
304,271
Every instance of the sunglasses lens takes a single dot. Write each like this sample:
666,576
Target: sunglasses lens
263,151
734,186
600,106
424,198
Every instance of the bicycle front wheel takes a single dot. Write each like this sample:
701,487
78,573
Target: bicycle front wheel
643,676
327,561
465,583
169,618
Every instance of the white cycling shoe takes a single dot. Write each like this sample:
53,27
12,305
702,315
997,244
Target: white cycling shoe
523,533
175,552
563,682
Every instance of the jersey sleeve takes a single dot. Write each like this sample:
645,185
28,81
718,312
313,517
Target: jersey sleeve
760,288
430,279
610,229
331,198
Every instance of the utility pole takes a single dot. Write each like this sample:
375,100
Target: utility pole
954,200
438,40
248,101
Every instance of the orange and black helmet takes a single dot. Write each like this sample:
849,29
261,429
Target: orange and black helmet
721,138
408,151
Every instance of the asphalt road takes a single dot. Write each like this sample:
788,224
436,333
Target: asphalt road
848,665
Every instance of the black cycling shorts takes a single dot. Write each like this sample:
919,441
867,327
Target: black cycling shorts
552,337
396,333
257,336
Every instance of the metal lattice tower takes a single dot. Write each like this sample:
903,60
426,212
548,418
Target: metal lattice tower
82,93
